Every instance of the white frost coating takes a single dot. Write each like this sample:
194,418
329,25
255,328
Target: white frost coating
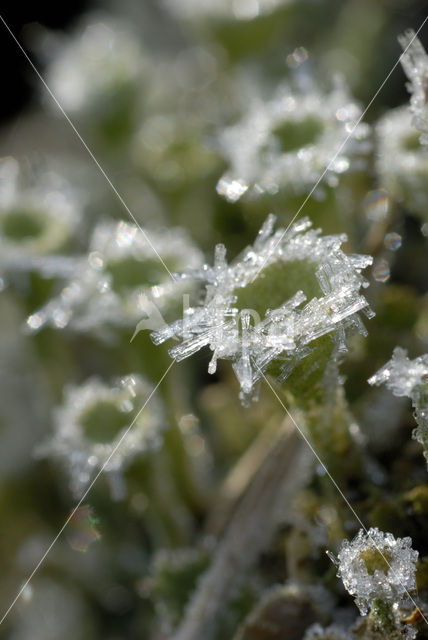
91,299
257,162
80,454
285,333
333,632
415,64
375,565
99,61
223,9
405,377
49,205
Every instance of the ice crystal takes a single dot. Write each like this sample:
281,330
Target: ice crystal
37,217
401,162
333,632
91,422
405,377
287,142
224,9
415,64
121,280
97,69
286,333
377,566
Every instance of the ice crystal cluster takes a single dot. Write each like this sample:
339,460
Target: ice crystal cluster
285,333
415,64
90,425
121,280
377,566
290,141
38,217
405,377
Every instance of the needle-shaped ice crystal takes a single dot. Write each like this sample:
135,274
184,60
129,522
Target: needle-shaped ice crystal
405,377
415,64
122,280
234,322
289,141
377,566
90,424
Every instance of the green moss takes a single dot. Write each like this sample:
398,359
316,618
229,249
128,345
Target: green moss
382,616
174,580
103,421
19,225
276,284
295,135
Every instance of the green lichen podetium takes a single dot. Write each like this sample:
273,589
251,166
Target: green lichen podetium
22,225
375,559
296,135
276,284
103,421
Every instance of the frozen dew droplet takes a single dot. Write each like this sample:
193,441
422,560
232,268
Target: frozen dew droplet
231,189
81,530
297,58
381,271
376,204
392,241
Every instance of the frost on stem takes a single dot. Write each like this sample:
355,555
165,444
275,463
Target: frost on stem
90,424
121,280
375,567
255,310
288,142
37,217
414,61
401,162
405,377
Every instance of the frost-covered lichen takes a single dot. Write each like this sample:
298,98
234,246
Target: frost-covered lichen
288,142
401,162
415,64
121,280
252,313
375,566
90,424
98,72
405,377
38,217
